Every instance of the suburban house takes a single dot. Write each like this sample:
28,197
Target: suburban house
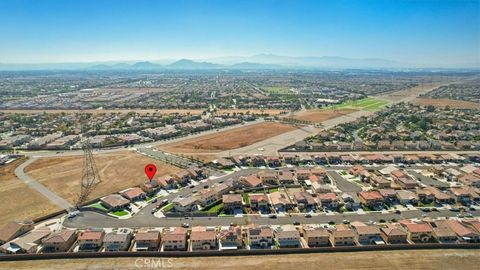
13,230
372,199
202,238
182,177
367,234
268,177
280,201
471,179
60,241
465,233
316,236
232,203
444,234
134,194
388,194
147,241
305,200
302,174
208,196
472,224
380,182
290,159
342,236
286,178
166,182
90,241
186,204
404,180
257,161
26,243
260,236
287,236
328,200
407,197
351,200
117,241
440,197
259,201
393,234
420,232
273,162
321,188
230,238
174,239
250,181
114,202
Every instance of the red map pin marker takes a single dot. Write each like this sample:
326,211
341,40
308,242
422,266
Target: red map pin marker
150,170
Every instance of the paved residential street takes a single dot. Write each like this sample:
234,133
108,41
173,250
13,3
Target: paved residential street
343,184
145,219
19,172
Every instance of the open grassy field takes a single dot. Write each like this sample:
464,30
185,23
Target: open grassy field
150,111
369,104
320,115
119,170
279,90
404,259
443,102
19,201
229,139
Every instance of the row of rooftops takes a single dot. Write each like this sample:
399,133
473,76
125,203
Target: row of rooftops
38,240
336,158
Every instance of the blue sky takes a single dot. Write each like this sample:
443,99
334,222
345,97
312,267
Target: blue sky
421,32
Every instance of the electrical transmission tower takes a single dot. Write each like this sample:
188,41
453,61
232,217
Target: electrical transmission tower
90,177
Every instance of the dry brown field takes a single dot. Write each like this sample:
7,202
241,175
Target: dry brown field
383,260
19,201
320,115
118,171
229,139
443,102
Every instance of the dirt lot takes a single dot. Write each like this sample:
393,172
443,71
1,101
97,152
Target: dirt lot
320,115
145,111
229,139
408,259
18,200
443,102
118,171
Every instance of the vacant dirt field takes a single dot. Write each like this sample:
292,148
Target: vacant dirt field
117,170
229,139
149,111
408,259
19,201
443,102
320,115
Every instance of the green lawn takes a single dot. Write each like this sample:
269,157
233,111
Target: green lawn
369,104
119,213
271,190
421,204
99,206
213,208
167,207
246,199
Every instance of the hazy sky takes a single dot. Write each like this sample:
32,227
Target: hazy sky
421,32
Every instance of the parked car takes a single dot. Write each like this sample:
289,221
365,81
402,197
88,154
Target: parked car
185,225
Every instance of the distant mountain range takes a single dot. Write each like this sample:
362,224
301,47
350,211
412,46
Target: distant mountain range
186,64
255,62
